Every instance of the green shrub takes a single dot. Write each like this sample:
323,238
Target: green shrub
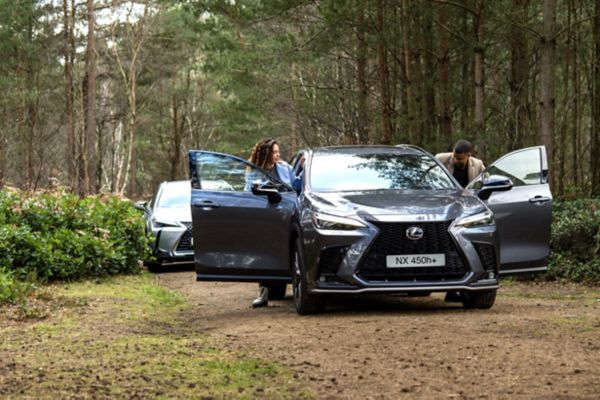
59,236
575,242
13,290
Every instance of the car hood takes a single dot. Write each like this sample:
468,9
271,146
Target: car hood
181,214
413,205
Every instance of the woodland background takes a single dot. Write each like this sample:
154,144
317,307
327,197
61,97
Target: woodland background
108,96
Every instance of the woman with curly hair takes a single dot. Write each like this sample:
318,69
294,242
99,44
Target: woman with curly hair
266,155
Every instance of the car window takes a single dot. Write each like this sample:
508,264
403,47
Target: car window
348,172
522,167
220,172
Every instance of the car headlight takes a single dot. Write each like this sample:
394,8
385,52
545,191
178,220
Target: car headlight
326,221
485,218
164,224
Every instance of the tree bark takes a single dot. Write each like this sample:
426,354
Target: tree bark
595,139
68,76
478,112
408,73
85,165
547,78
361,77
518,81
575,113
175,155
444,62
431,119
386,126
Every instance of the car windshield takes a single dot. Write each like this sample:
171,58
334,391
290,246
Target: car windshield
175,196
334,172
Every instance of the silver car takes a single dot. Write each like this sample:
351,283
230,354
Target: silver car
169,219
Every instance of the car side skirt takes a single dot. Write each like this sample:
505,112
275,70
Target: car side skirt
524,271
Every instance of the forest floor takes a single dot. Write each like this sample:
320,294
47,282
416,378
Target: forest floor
538,341
130,338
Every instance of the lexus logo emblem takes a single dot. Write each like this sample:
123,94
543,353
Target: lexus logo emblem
414,233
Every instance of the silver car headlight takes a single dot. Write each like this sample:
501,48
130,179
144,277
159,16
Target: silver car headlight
333,222
485,218
164,224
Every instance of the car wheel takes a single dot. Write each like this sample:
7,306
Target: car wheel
483,300
277,291
305,302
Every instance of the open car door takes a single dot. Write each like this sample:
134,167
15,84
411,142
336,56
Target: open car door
239,235
524,213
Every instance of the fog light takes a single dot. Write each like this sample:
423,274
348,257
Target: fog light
491,275
322,278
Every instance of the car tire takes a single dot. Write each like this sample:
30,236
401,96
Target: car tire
277,291
305,302
482,300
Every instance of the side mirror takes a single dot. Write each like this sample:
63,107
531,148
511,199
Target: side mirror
141,205
266,189
494,183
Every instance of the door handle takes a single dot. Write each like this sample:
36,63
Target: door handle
205,204
539,199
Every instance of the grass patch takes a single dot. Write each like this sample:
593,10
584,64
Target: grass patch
121,338
551,291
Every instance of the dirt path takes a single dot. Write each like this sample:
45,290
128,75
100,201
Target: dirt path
538,341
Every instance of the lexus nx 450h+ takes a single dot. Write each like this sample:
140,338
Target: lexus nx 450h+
371,219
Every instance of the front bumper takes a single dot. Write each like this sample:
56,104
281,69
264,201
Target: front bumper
468,267
173,245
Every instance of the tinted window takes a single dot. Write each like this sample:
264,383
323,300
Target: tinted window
347,172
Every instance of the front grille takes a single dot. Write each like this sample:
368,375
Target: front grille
185,243
487,255
392,240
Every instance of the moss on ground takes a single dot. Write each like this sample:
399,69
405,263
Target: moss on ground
122,338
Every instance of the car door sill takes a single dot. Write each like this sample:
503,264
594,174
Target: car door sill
243,278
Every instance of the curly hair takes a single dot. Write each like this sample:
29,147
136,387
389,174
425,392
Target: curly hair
262,153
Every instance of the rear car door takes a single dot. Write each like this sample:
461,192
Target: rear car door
524,213
238,235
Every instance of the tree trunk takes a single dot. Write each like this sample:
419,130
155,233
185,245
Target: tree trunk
575,114
90,99
386,126
175,156
430,119
293,112
478,113
68,74
595,139
444,62
361,77
547,78
518,81
408,73
467,95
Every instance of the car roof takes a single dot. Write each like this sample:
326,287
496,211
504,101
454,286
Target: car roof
370,149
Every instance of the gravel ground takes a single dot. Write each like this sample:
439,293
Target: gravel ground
538,341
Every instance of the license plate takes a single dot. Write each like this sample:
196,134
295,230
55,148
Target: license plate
416,260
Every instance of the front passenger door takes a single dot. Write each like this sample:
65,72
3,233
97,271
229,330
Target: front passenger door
238,235
523,214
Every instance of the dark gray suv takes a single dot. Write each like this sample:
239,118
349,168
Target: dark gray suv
372,219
